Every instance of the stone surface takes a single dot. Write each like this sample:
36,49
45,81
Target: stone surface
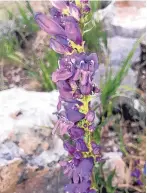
115,162
26,122
9,174
119,48
43,182
126,19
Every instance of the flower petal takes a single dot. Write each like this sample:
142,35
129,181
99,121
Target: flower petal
61,74
72,30
49,25
60,5
58,47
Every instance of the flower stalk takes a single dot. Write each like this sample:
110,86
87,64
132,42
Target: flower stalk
74,80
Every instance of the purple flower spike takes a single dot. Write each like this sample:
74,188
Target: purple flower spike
72,30
49,25
76,132
58,47
81,145
60,5
90,116
68,147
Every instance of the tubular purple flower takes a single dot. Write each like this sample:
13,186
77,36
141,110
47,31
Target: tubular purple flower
68,147
136,173
49,25
74,11
62,126
64,90
78,155
58,47
72,112
60,5
72,30
96,148
76,132
81,145
85,168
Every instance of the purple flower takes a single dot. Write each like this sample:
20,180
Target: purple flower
78,155
136,173
86,89
90,116
74,11
92,127
72,30
139,183
59,46
85,167
60,5
61,74
76,132
72,113
78,188
96,148
68,147
81,145
86,9
62,126
56,15
64,90
49,25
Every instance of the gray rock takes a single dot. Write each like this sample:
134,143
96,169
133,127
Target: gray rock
116,24
119,48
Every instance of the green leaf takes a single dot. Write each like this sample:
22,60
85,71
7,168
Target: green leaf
29,7
95,5
109,186
111,84
122,145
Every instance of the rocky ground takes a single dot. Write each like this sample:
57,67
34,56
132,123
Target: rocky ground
29,154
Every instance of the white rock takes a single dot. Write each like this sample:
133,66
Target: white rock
26,120
114,162
36,111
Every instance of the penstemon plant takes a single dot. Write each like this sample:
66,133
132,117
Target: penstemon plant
74,80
